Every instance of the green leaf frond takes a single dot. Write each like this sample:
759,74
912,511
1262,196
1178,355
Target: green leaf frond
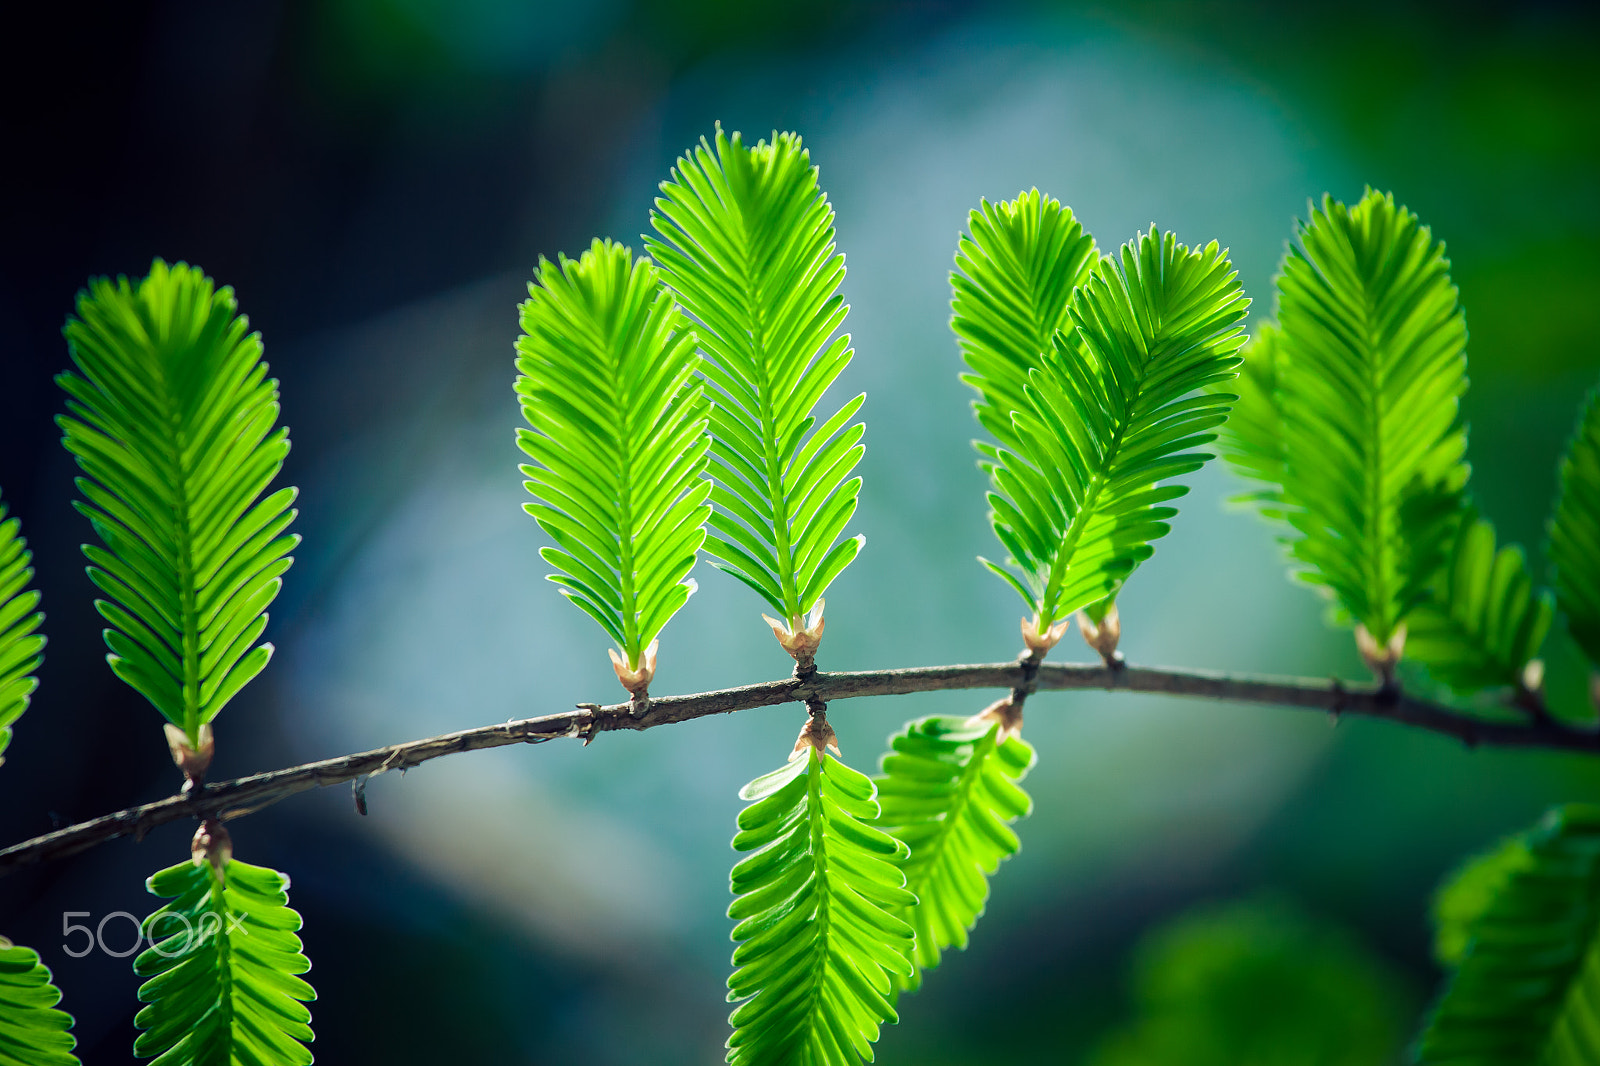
1522,932
820,946
1016,269
223,971
1484,620
32,1031
949,790
1575,534
1115,410
1369,367
746,241
606,379
21,644
173,419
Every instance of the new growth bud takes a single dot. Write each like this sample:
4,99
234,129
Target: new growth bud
1040,643
186,757
637,682
1381,660
211,844
816,733
1102,638
800,637
1007,712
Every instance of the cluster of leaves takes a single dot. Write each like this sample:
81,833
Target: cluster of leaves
674,404
1348,422
1519,929
1092,375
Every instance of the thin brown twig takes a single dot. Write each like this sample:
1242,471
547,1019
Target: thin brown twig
246,795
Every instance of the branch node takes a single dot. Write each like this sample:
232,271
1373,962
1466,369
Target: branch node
1007,713
800,637
1103,637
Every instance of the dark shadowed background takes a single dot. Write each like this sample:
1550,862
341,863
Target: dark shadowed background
376,179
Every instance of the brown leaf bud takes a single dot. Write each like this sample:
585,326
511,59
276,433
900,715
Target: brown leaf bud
186,757
799,636
816,733
1102,638
211,844
1381,660
1006,712
637,682
1040,643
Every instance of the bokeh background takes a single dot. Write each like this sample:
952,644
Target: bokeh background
377,177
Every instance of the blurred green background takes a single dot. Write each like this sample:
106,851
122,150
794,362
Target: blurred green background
1198,884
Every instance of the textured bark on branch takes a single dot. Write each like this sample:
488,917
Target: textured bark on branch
244,795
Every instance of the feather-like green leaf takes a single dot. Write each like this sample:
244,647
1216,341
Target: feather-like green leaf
1016,269
820,945
1575,534
1353,423
1117,407
606,379
21,644
950,791
172,418
1484,620
1252,438
1521,929
223,971
32,1031
746,241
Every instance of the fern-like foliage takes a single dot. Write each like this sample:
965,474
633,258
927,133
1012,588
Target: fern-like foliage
32,1031
949,790
1484,620
173,418
1252,438
1526,988
746,241
820,944
1353,424
1114,410
223,970
607,383
1575,534
1016,269
20,641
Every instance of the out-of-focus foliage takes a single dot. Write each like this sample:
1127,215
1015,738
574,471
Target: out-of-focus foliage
174,420
21,644
746,244
1520,927
1575,534
1354,408
949,790
607,381
32,1031
1110,413
820,946
222,969
1257,984
1484,620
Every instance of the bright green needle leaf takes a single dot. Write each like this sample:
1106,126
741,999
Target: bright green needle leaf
223,971
1014,275
20,641
32,1031
1115,409
606,378
949,791
1521,927
746,243
173,419
1484,621
820,946
1363,380
1575,534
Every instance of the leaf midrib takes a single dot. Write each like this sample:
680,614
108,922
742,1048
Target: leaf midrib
183,538
755,311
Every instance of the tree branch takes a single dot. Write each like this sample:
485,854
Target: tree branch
245,795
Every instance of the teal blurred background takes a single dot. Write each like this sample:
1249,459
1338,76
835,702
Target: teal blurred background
377,178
